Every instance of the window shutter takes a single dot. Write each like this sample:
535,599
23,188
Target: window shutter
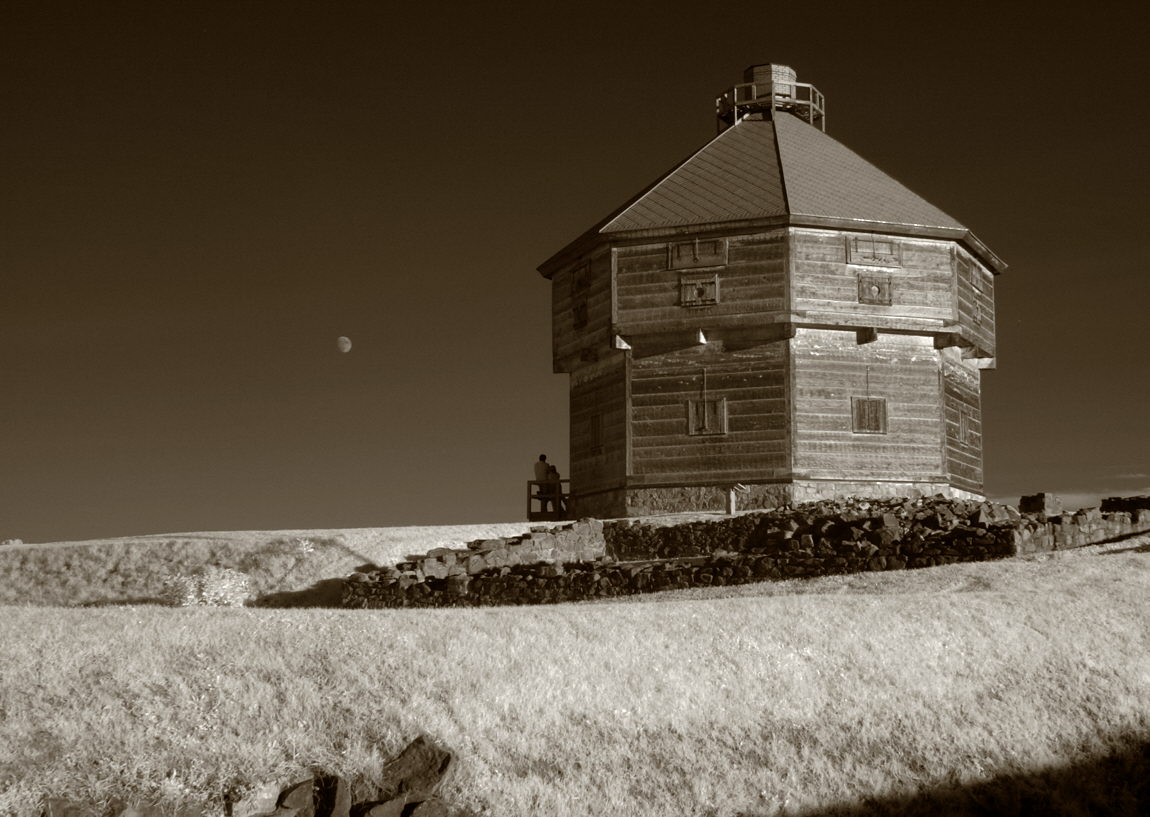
711,252
696,290
869,415
707,416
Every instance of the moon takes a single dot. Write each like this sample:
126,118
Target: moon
344,344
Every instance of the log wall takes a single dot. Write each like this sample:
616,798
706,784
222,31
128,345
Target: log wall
975,301
829,368
828,268
752,384
963,413
598,426
581,304
750,279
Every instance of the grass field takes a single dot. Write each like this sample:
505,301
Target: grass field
988,685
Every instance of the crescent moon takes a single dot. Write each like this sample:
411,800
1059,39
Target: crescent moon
344,344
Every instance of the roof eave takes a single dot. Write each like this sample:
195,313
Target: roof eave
595,237
984,253
960,234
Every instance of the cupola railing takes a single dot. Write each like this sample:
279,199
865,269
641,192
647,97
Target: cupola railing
799,98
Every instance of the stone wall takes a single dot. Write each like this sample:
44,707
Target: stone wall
450,570
591,559
1044,527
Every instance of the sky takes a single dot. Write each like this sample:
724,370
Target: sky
199,198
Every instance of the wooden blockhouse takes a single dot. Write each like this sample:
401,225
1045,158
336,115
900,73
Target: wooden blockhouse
777,314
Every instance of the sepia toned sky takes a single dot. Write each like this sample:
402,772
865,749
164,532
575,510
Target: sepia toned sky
197,199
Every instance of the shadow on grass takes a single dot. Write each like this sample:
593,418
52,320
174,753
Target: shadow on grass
126,602
1117,784
324,593
1139,549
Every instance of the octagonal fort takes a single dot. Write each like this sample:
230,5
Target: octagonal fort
775,313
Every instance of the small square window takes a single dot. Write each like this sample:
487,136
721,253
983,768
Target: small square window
868,415
711,252
874,289
879,252
696,290
707,415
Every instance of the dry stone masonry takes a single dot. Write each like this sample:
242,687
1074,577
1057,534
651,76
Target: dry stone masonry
592,559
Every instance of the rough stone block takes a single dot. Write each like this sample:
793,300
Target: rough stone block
407,579
333,796
495,558
487,545
417,771
299,796
1044,505
259,802
389,808
542,541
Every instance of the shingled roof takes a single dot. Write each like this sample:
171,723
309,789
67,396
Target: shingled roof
773,167
777,168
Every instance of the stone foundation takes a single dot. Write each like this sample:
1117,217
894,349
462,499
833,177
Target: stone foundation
816,490
651,501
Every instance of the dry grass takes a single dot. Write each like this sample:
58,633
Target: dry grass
762,702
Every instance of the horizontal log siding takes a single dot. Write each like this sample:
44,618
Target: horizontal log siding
753,381
599,390
961,396
569,342
750,284
825,287
975,287
829,368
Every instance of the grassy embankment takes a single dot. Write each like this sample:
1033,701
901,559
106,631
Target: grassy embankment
791,697
131,570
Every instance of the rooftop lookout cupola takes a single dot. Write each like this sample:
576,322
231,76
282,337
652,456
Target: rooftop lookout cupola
767,88
773,313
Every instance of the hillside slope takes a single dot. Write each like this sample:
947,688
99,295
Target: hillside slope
1017,686
132,569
